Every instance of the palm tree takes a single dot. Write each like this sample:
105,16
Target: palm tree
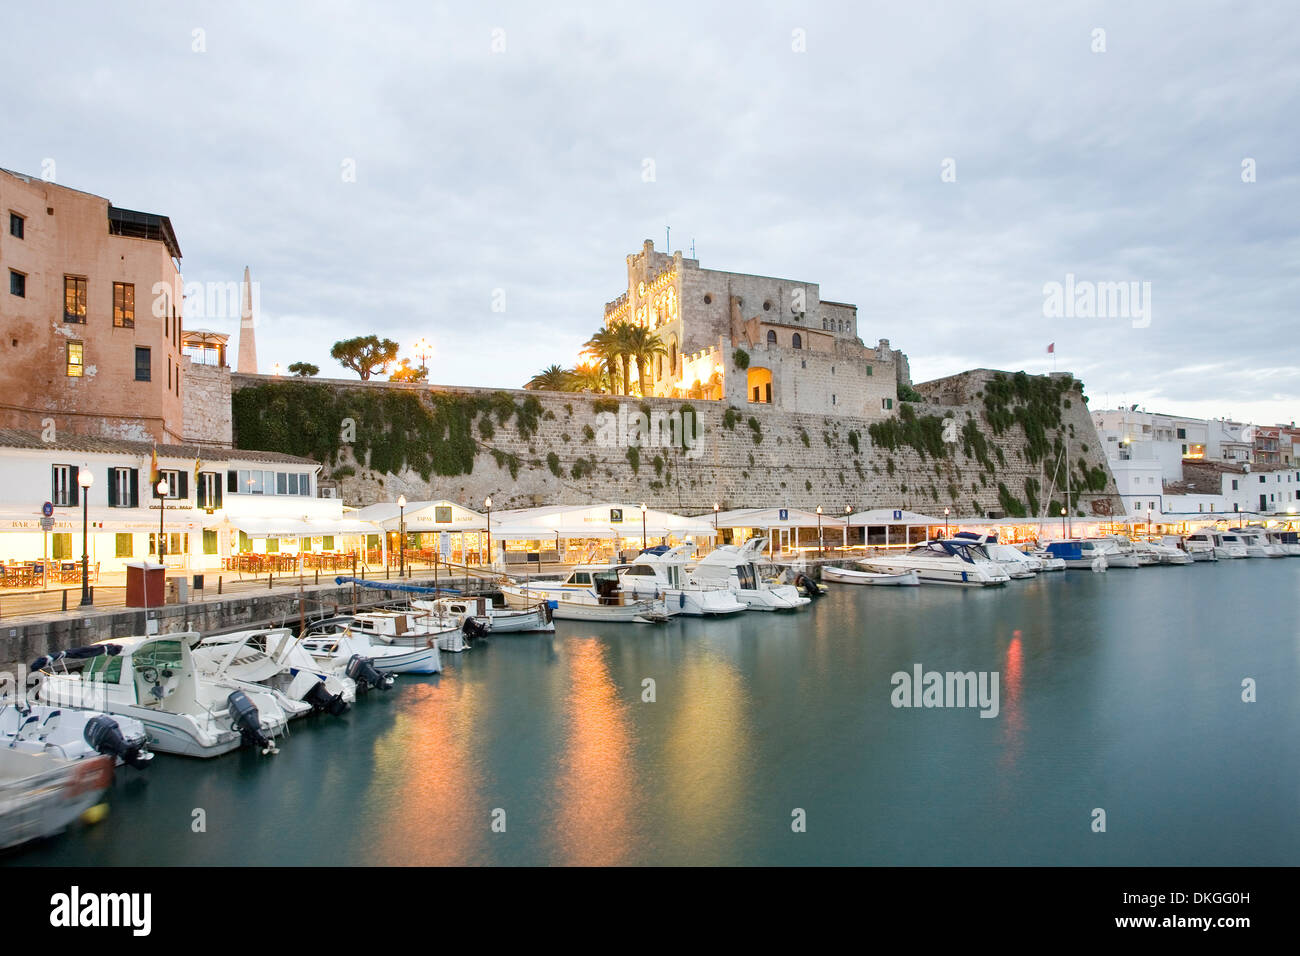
590,377
604,348
553,378
626,340
643,347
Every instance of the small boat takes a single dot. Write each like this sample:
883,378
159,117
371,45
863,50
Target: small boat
497,620
41,794
660,573
590,592
154,679
1119,552
851,576
1258,545
1079,554
1015,562
1199,546
736,569
1161,553
335,641
958,562
638,612
72,734
274,660
1288,541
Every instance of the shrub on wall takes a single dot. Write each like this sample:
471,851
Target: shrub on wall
741,359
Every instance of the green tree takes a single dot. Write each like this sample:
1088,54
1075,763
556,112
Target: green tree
604,347
553,378
304,369
625,340
590,377
643,346
405,372
365,354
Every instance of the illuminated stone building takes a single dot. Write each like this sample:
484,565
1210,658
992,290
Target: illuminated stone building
748,339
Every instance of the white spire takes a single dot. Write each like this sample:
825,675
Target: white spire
247,340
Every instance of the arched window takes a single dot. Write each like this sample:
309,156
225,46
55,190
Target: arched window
771,336
796,341
759,384
672,357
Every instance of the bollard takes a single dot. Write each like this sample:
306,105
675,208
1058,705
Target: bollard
218,585
270,581
65,599
318,575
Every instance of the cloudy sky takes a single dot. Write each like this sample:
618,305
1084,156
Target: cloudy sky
937,166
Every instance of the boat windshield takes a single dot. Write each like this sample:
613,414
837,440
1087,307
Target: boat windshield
158,654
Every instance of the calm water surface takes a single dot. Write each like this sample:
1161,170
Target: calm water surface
1119,690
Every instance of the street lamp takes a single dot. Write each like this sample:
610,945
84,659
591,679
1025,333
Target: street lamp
487,503
1148,522
422,350
643,526
401,536
162,488
820,547
85,478
945,522
1063,534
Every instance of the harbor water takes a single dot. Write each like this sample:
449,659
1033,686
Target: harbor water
772,739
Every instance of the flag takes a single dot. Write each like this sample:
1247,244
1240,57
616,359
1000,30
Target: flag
1051,349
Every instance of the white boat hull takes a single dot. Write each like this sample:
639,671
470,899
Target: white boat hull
850,576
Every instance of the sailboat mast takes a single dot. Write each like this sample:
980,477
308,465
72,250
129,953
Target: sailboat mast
1069,519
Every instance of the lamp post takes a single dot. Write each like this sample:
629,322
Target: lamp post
1148,522
1063,534
487,503
162,488
422,350
643,526
401,536
945,522
85,478
820,546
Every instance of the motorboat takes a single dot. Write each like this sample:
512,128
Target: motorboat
953,561
335,641
1228,545
154,679
1258,545
1288,541
1015,562
736,569
1245,545
1046,560
274,659
41,794
497,620
1199,546
1079,554
660,575
1119,552
878,578
590,592
1160,553
72,734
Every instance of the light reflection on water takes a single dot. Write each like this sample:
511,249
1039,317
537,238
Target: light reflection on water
1121,691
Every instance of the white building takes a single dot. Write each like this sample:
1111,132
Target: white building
219,502
1231,487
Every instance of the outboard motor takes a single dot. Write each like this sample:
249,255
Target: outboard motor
321,699
363,671
807,586
473,629
248,722
103,733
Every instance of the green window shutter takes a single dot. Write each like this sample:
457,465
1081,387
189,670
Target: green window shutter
74,489
135,489
209,542
112,487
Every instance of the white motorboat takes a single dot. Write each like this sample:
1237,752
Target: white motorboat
944,561
72,734
653,575
1079,554
274,659
497,620
155,680
1258,545
1161,553
1228,545
336,641
736,569
1119,552
1198,546
1015,562
879,578
1288,541
590,592
41,794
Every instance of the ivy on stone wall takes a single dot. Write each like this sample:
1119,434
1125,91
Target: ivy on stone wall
1009,502
923,433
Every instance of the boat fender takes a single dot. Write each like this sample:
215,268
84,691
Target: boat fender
322,700
105,736
363,671
248,722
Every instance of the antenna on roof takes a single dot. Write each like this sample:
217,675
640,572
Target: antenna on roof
668,239
692,248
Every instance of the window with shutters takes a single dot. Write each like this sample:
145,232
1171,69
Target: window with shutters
209,490
123,487
209,541
63,485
